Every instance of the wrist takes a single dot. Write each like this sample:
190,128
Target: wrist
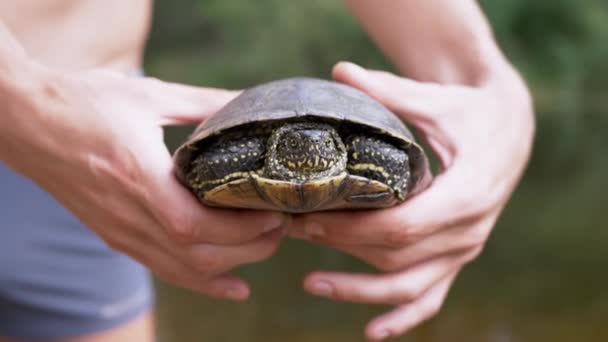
470,58
15,64
512,101
21,92
509,88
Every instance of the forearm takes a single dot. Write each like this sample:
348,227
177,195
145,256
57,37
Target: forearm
444,41
14,62
19,76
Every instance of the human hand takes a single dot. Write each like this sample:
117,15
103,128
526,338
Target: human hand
482,136
94,141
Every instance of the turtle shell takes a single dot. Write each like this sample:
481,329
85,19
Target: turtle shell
306,99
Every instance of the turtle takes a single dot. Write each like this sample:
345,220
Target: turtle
300,145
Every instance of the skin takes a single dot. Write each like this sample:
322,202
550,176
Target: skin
475,113
292,150
60,113
63,125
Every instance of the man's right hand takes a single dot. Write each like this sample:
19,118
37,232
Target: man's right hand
94,141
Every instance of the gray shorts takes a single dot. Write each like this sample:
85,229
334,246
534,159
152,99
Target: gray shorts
57,279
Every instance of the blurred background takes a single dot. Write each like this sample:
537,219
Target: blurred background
543,275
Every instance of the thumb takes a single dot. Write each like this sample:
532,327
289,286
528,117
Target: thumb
420,104
183,104
413,101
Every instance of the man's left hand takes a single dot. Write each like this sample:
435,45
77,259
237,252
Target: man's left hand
482,137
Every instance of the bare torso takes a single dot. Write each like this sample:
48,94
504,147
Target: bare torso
80,34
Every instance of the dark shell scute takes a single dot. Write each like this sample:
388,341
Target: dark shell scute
301,97
294,99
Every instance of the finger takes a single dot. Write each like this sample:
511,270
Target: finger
407,316
449,241
444,152
225,286
183,104
370,228
169,268
415,101
185,219
392,288
420,104
217,259
150,247
203,258
396,260
448,202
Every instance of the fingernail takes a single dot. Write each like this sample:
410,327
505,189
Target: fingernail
314,229
322,288
355,68
381,334
275,222
234,292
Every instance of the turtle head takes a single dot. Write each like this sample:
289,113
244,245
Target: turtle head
302,151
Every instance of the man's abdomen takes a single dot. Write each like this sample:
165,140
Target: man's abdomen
76,35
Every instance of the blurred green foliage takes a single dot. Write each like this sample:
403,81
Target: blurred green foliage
234,43
544,263
559,45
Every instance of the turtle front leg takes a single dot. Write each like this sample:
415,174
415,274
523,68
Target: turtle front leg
375,159
227,159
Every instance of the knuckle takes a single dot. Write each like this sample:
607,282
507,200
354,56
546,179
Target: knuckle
209,290
179,227
474,238
258,223
477,203
266,251
119,165
389,262
407,293
470,208
472,205
170,275
487,203
114,243
471,256
400,236
206,263
264,254
128,170
431,309
270,250
342,293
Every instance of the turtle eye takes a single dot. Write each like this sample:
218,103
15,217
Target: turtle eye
292,142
